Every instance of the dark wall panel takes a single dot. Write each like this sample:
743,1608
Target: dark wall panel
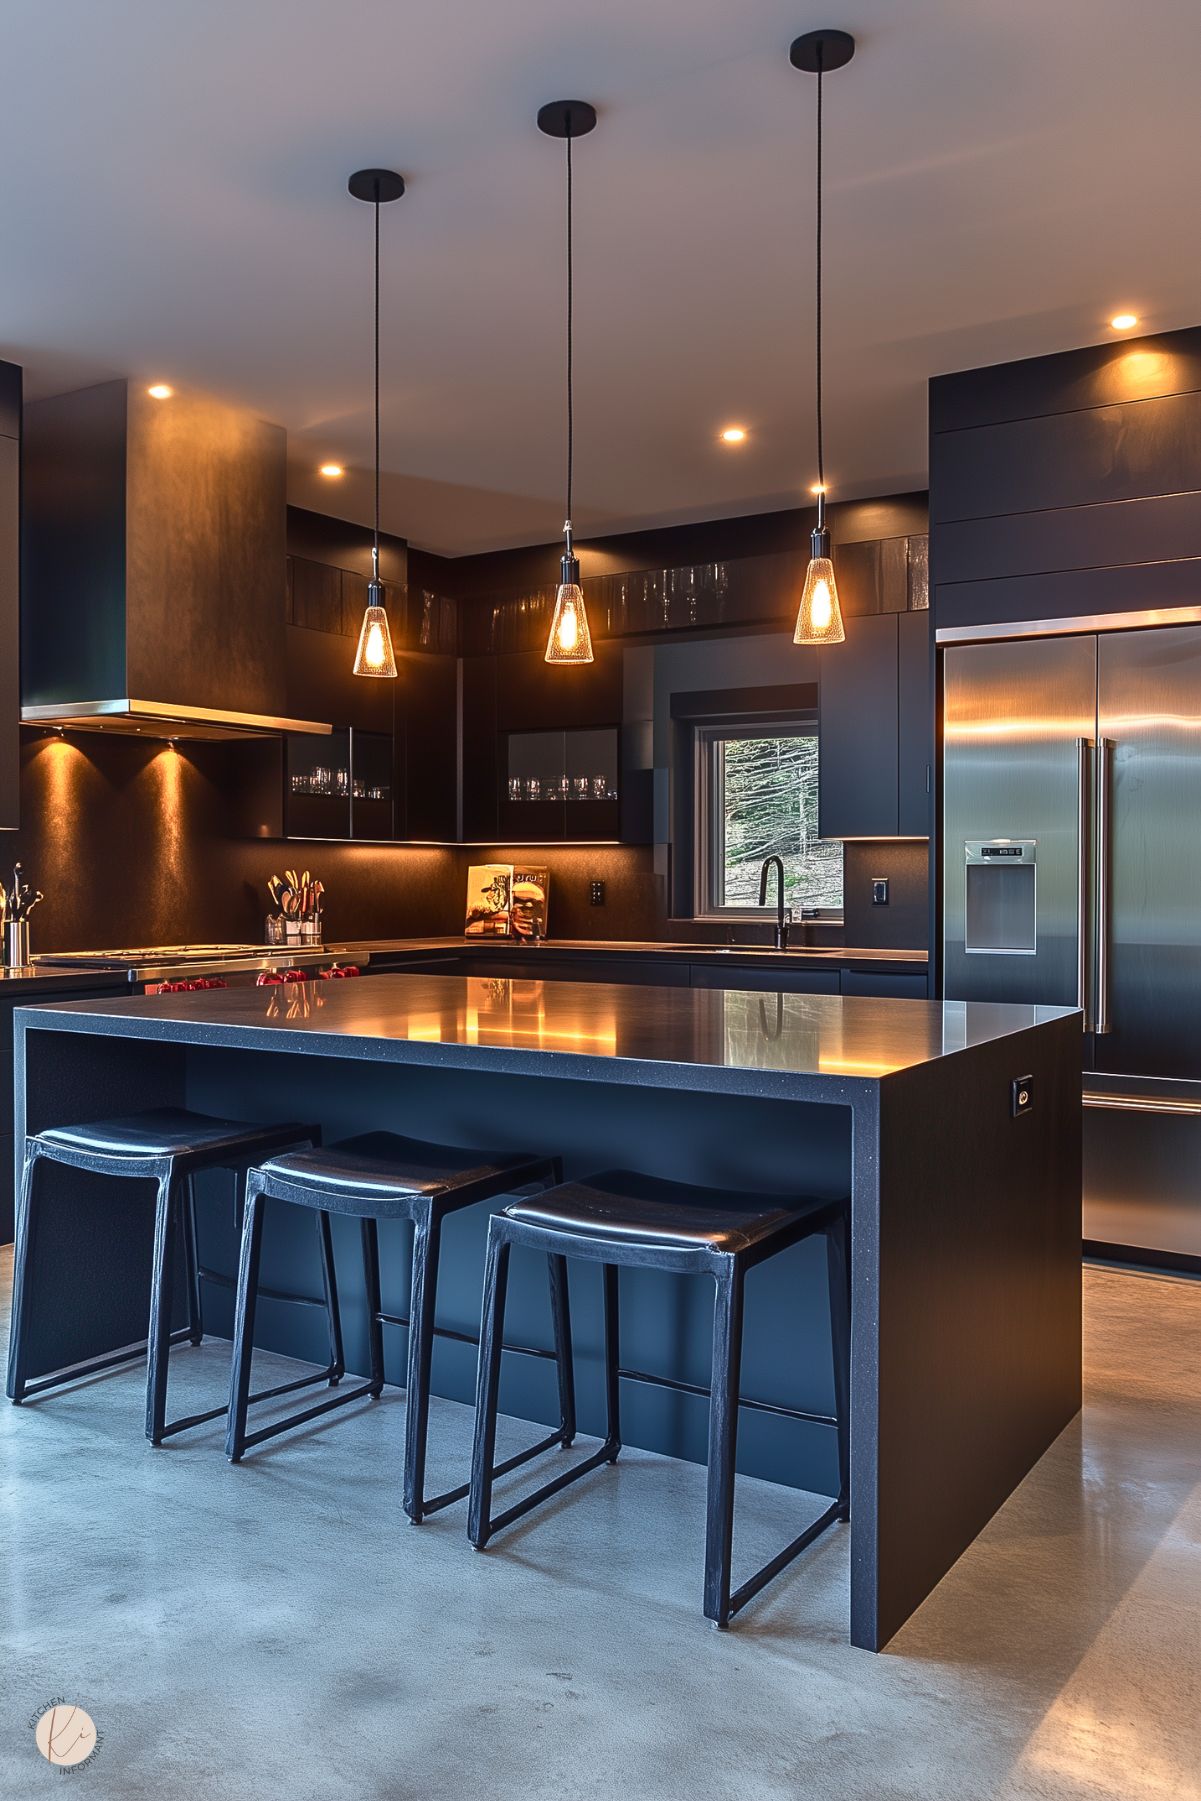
1082,537
1108,453
1097,375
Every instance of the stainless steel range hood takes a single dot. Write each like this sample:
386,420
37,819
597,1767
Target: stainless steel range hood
153,567
162,719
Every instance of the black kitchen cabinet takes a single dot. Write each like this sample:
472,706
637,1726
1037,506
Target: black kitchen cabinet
559,784
479,823
10,595
884,984
876,729
915,724
772,981
426,748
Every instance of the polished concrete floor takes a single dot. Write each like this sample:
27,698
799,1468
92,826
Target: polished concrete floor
277,1630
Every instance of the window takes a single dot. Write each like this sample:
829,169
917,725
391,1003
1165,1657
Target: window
756,794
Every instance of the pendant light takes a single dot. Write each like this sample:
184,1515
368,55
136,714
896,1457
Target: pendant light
374,655
819,616
570,640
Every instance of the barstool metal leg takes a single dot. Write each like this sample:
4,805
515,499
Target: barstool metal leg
839,1276
612,1361
560,1312
723,1441
496,1279
375,1330
22,1277
244,1310
337,1357
191,1251
427,1239
162,1295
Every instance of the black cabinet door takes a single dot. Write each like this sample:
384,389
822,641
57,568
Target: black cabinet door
772,981
10,654
915,724
427,726
890,985
534,695
480,751
857,795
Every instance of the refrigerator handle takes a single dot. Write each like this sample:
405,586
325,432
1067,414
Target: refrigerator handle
1084,748
1104,784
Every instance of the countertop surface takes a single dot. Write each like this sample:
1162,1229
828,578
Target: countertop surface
806,1046
696,953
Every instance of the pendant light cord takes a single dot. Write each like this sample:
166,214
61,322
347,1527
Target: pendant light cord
821,456
570,335
375,546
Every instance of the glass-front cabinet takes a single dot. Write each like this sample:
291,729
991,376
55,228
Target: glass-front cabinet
338,786
559,784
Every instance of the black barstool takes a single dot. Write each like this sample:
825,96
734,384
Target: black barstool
621,1219
168,1146
382,1176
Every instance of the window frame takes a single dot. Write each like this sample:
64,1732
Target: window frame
707,824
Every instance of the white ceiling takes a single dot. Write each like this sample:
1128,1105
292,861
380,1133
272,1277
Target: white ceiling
1003,174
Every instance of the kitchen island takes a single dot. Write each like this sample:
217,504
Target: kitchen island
965,1203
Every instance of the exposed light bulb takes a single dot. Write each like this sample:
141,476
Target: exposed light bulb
819,616
569,630
570,639
375,655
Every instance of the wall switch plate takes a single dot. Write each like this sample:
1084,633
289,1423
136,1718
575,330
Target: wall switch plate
1021,1095
879,891
596,894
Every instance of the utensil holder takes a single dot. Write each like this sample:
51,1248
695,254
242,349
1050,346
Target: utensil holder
16,943
310,929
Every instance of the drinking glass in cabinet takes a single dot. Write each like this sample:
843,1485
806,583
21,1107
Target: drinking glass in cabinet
600,787
515,788
533,788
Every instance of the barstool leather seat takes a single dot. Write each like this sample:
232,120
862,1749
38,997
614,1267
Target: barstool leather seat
620,1204
378,1168
163,1132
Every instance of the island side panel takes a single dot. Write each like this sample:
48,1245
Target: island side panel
90,1288
979,1296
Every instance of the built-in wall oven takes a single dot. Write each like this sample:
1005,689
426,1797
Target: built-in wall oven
1071,875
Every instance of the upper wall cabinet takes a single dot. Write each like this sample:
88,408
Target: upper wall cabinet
877,729
542,749
10,595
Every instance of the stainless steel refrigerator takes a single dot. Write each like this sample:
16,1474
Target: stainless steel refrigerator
1071,851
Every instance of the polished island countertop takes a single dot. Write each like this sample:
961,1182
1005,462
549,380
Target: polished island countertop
726,1040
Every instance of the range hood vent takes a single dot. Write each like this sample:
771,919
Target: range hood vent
161,719
154,567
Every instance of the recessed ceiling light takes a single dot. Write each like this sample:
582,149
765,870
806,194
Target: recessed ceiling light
1124,321
331,469
160,391
733,434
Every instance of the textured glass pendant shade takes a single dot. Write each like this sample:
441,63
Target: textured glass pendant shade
819,616
374,655
570,640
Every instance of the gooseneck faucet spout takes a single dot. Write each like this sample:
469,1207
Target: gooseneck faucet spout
783,916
